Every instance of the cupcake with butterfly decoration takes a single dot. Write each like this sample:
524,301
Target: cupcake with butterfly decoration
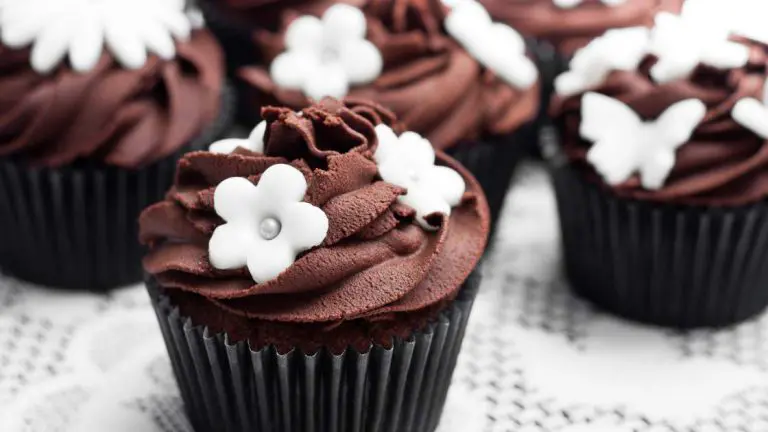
662,188
451,74
97,102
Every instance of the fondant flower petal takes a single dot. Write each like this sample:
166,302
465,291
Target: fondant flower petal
362,61
291,69
304,33
447,183
387,145
425,203
87,44
343,23
267,259
124,43
228,145
157,40
229,245
51,46
282,183
327,80
304,226
232,198
176,22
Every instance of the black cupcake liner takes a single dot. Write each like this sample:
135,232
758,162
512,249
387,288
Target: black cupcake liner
229,386
76,227
669,265
493,162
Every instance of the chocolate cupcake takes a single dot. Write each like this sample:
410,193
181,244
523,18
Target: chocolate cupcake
562,27
94,115
300,286
662,193
437,68
234,22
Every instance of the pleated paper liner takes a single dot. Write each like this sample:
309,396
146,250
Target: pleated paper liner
76,227
493,162
228,386
676,266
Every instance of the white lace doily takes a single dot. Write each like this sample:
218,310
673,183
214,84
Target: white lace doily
535,358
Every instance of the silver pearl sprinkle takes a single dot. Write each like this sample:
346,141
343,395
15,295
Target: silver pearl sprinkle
270,228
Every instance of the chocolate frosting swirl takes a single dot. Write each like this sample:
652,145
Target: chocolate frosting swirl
571,29
125,118
723,164
433,85
375,262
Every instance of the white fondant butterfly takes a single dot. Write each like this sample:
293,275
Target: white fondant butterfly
624,144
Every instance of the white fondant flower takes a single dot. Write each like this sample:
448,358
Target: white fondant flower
697,36
496,46
254,142
82,28
408,161
267,224
325,56
619,49
624,144
569,4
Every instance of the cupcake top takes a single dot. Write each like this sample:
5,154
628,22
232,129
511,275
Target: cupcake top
673,114
449,74
322,221
123,83
571,24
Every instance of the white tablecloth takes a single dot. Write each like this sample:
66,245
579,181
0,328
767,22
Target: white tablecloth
535,359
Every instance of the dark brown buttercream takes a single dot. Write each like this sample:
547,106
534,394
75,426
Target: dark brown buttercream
126,118
571,29
376,266
433,85
723,164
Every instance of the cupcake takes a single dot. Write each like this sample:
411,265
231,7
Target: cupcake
662,189
93,117
234,22
441,70
317,275
562,27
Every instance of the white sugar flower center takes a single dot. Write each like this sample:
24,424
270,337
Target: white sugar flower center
270,228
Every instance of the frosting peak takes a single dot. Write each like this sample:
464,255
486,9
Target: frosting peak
375,260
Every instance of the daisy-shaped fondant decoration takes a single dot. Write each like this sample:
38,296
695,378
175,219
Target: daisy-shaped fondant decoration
570,4
699,35
325,56
267,225
494,45
254,142
625,145
619,49
81,29
408,161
